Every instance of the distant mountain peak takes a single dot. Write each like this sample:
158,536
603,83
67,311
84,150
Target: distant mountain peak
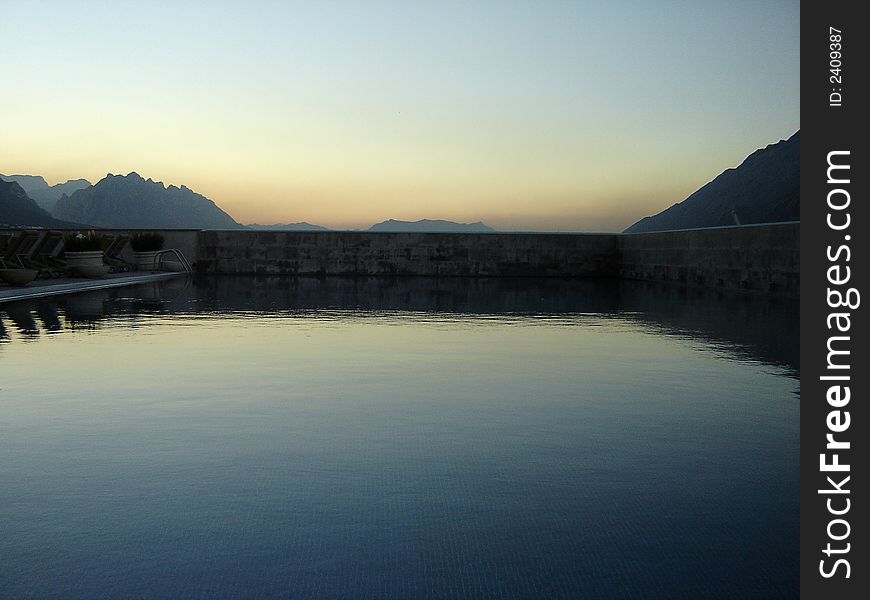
431,226
299,226
18,209
764,188
26,181
46,195
129,201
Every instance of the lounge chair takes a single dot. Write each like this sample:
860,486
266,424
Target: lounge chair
47,255
30,250
111,255
9,243
6,240
18,249
13,269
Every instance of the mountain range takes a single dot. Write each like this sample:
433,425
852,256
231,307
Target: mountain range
431,226
765,188
129,201
45,195
301,226
391,225
17,209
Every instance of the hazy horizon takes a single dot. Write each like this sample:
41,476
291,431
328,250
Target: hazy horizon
525,116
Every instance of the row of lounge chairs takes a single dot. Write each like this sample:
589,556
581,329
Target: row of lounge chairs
42,251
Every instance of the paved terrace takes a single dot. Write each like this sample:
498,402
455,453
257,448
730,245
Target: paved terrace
55,287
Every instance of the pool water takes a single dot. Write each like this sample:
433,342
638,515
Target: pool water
399,438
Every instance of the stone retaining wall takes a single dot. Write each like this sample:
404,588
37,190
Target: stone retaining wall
430,254
762,258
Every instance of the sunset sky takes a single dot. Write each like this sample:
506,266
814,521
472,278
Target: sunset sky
579,116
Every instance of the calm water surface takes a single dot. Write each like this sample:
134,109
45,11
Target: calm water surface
364,438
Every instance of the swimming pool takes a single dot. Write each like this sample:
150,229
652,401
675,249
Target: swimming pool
399,438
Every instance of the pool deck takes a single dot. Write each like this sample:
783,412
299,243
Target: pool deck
43,288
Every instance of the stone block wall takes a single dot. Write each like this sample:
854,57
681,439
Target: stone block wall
759,258
428,254
764,258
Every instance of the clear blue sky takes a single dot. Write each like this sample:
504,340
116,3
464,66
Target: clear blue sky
528,115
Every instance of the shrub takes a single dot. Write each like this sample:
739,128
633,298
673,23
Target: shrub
146,242
83,242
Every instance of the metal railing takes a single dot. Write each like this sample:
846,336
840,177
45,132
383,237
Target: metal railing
181,260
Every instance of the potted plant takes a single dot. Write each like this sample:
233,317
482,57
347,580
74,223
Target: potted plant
83,253
18,277
145,247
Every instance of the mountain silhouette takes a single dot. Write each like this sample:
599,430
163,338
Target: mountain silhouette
431,226
301,226
46,195
120,201
19,210
765,188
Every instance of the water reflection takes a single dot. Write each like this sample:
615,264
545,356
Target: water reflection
399,438
23,321
742,325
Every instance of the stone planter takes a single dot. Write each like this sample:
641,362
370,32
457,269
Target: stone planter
18,277
86,264
144,261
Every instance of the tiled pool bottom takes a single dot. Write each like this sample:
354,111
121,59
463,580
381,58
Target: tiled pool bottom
242,438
